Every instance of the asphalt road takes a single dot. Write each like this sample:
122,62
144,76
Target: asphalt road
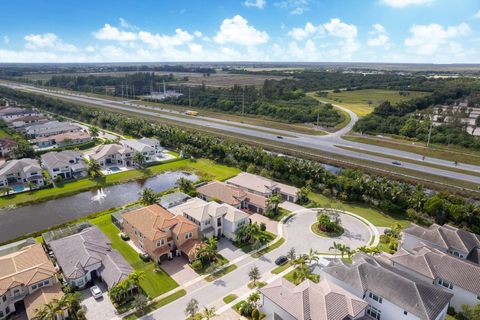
328,143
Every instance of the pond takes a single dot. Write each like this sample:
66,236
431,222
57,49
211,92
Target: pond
31,218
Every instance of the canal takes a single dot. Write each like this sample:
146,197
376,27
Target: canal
32,218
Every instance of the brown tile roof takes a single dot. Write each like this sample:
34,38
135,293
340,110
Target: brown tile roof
34,302
435,264
190,247
26,266
256,200
446,237
152,220
311,301
224,192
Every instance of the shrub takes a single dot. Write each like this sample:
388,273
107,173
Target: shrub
451,311
255,314
263,226
197,265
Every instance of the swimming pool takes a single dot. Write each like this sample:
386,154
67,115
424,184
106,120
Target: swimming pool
115,169
18,188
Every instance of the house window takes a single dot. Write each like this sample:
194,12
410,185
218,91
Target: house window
34,287
46,282
446,284
177,236
374,312
188,235
80,282
375,297
160,242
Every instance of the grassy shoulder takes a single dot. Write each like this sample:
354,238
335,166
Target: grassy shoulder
433,165
281,268
156,281
229,298
206,169
270,248
376,217
220,273
358,100
157,305
449,153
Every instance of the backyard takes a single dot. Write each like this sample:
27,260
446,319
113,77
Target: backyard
156,281
205,169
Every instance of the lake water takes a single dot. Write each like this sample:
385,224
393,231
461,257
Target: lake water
31,218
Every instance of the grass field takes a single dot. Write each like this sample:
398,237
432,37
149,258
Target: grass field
3,134
204,168
281,268
376,217
357,100
449,153
229,298
156,281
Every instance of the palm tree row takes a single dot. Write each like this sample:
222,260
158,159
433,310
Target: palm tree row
124,289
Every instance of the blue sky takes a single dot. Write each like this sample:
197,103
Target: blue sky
440,31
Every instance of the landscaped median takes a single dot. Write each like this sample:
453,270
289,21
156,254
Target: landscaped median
157,305
205,169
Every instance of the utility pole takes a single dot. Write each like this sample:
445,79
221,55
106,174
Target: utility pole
243,101
430,131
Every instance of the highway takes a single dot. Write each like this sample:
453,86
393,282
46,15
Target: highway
330,143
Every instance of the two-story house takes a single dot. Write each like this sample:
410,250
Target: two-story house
110,155
446,238
65,164
62,140
457,276
263,186
149,148
88,255
19,172
25,270
390,293
160,233
232,195
50,128
7,147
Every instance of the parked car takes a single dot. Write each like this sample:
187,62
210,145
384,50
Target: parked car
397,163
281,260
96,292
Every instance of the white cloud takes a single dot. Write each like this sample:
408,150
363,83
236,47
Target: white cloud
112,33
90,49
340,29
428,39
305,32
477,15
296,7
6,40
48,41
127,25
405,3
379,37
259,4
198,34
238,31
158,41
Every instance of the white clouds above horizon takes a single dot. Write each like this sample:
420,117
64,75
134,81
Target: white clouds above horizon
48,41
405,3
378,37
113,33
295,7
237,31
428,39
259,4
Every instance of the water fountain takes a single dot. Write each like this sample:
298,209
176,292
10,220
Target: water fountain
100,195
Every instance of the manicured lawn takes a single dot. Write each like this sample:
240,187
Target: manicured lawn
271,247
258,284
229,298
220,273
204,168
282,213
156,281
3,134
289,277
221,260
357,100
376,217
282,268
249,247
158,304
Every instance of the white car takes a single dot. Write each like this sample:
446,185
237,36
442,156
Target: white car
96,292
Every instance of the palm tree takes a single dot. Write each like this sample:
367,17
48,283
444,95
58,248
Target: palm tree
5,190
291,255
312,256
94,168
139,159
273,201
254,275
336,247
185,185
374,250
148,197
94,132
208,313
363,249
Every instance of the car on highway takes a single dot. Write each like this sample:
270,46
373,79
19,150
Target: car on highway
96,292
279,137
396,163
281,260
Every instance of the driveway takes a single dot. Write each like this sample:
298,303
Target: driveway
179,270
271,224
356,233
98,309
228,250
290,206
